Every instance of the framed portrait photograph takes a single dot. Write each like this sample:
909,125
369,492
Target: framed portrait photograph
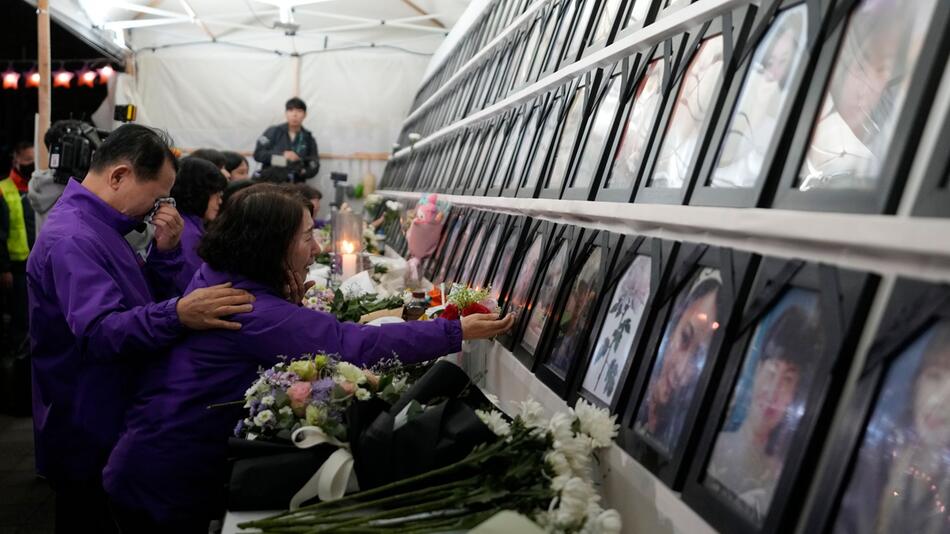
529,51
498,275
894,453
450,233
580,30
643,96
432,262
524,271
453,247
478,182
560,35
567,331
449,169
464,248
562,153
506,63
687,121
618,335
535,115
510,139
548,125
870,94
764,99
476,248
779,387
466,166
491,243
592,144
555,262
676,379
636,15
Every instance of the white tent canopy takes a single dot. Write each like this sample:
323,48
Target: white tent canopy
216,73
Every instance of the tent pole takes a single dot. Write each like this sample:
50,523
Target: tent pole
296,69
45,96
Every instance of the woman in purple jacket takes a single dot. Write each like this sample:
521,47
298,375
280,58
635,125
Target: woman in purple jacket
197,193
168,470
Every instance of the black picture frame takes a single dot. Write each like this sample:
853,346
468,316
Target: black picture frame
452,219
533,116
913,308
528,51
628,23
484,133
452,247
933,199
475,250
580,30
572,125
591,149
608,244
706,193
514,128
632,248
479,179
693,261
733,28
510,245
463,247
842,298
548,127
884,194
558,33
663,55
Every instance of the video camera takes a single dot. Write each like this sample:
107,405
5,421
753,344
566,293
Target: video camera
71,146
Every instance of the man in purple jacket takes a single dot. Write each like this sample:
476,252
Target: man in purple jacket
95,319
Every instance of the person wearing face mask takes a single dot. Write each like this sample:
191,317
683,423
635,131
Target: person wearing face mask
290,145
19,239
168,470
94,319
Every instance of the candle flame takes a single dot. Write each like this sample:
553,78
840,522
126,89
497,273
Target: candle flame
346,247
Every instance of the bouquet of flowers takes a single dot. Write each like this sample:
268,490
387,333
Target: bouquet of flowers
314,391
371,241
354,308
319,299
464,301
538,467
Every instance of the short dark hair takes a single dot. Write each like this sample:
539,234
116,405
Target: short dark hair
252,236
232,160
145,149
273,175
232,188
21,146
210,154
197,181
296,103
310,193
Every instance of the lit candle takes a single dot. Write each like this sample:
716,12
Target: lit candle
348,250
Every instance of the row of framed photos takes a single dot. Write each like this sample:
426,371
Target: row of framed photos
797,104
560,33
725,368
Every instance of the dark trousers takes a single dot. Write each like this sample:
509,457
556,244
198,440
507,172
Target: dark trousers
16,305
140,522
82,507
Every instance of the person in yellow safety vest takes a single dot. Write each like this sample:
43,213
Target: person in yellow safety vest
19,239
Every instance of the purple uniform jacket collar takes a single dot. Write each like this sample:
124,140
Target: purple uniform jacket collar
93,321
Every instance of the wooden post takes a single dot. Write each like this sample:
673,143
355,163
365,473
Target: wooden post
46,81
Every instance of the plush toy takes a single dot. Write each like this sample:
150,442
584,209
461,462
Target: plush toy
424,232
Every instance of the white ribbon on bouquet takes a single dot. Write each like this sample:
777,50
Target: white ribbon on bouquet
334,477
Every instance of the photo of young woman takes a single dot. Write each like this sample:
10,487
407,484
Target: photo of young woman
580,301
901,480
680,360
542,306
768,403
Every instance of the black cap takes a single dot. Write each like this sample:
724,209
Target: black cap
296,103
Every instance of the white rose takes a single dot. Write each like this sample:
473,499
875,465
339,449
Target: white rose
362,394
347,372
495,422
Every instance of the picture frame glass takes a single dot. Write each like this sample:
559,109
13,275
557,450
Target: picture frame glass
863,100
530,52
767,404
511,143
473,254
608,14
571,333
615,340
638,15
692,104
447,252
543,305
597,136
636,134
481,276
899,481
522,288
765,90
460,253
580,29
545,139
572,123
680,360
524,148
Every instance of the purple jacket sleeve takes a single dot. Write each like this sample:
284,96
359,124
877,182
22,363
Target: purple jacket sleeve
164,269
98,313
307,330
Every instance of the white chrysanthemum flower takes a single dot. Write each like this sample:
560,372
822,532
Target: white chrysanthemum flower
362,394
577,450
558,462
267,400
532,413
560,426
596,423
558,482
347,372
608,522
393,205
493,399
495,422
573,502
264,417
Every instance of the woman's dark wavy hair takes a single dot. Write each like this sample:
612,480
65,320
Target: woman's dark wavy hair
232,160
198,179
252,236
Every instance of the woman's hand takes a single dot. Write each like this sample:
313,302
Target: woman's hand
485,325
296,288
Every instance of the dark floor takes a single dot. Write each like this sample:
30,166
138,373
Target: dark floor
26,502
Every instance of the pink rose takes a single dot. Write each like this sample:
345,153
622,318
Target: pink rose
299,394
371,378
348,387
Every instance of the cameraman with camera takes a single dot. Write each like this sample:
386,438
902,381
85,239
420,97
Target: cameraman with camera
95,318
290,145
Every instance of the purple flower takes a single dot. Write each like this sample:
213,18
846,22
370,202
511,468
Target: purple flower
320,390
239,427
